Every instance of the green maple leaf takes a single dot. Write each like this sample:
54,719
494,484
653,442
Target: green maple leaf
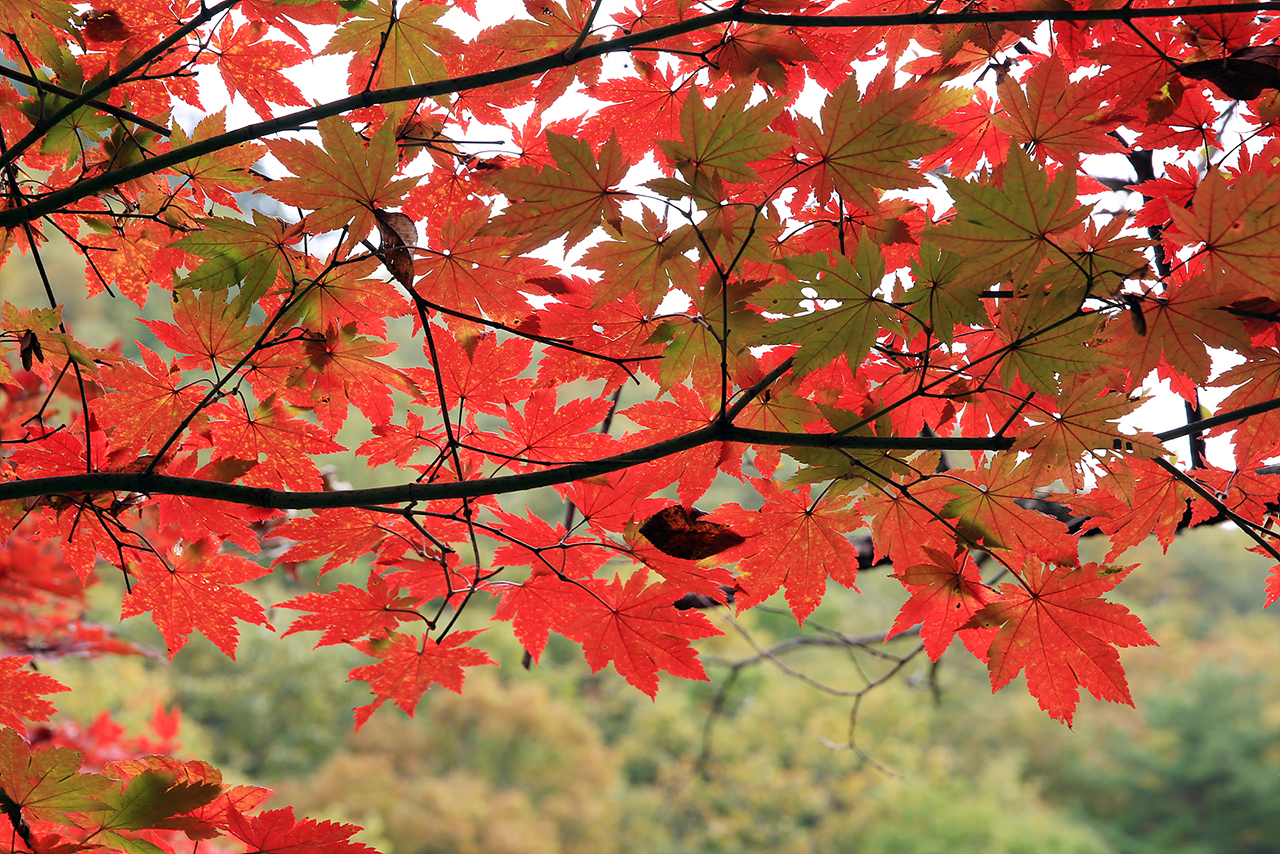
571,198
647,261
150,800
848,329
218,175
1003,226
47,784
1047,340
1086,419
238,252
722,140
937,302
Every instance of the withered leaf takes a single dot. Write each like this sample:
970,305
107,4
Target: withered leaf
399,235
1243,74
679,533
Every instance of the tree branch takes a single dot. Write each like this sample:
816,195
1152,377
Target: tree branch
59,199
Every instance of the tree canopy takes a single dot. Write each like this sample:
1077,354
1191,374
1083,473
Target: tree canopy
898,268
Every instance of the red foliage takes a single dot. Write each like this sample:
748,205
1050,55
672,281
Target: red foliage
747,245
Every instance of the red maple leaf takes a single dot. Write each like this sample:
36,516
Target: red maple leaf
635,625
191,591
1056,626
945,594
20,692
278,832
410,665
537,607
548,431
339,535
800,544
250,66
350,613
481,374
273,432
151,405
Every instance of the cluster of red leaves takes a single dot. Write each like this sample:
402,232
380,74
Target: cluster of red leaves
759,273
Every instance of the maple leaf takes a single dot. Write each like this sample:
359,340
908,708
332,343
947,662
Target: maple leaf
393,444
570,199
863,144
410,665
473,272
45,785
1004,226
228,522
152,405
541,604
1059,118
546,431
191,591
719,143
974,137
250,66
483,374
340,535
1239,225
151,799
529,541
1177,329
344,180
909,519
1055,625
641,110
21,693
987,509
275,433
1087,418
237,252
278,832
646,261
1041,341
799,543
849,327
695,469
394,46
342,367
350,613
204,326
946,593
217,176
634,625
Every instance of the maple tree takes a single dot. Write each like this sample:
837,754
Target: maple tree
862,257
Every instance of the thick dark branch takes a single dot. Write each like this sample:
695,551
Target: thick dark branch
293,121
720,431
408,492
